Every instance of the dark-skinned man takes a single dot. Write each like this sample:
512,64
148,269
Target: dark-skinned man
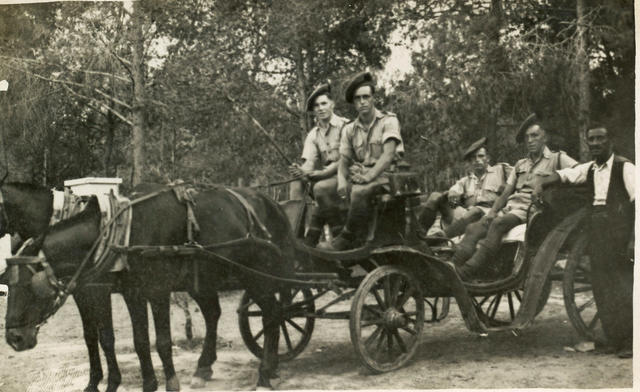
369,148
611,183
510,209
321,155
473,194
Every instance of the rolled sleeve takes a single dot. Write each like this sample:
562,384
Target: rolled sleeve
391,130
512,178
575,175
457,189
628,176
310,151
566,161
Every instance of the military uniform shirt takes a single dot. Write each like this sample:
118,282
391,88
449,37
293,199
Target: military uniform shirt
481,191
321,146
601,178
364,143
524,174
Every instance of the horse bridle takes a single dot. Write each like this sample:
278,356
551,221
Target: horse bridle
61,290
4,225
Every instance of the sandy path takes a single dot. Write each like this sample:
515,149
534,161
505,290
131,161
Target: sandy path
449,357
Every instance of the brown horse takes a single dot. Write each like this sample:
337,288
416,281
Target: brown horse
161,221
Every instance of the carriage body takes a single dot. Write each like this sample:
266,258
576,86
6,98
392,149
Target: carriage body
507,297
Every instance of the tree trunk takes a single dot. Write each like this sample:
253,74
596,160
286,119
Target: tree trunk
582,74
109,145
496,62
138,108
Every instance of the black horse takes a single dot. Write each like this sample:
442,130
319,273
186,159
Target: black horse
161,221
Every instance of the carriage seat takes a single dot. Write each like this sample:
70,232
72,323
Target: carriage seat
517,234
402,184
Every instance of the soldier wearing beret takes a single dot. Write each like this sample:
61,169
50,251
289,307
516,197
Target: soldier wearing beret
320,155
510,209
473,194
369,148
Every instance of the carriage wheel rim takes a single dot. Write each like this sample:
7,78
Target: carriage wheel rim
386,331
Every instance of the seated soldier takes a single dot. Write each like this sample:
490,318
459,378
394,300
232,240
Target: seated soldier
320,155
513,204
370,146
474,193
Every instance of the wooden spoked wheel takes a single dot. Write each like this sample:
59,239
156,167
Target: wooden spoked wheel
438,309
501,309
578,294
387,317
295,328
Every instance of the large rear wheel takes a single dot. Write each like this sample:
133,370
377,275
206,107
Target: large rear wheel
578,294
387,317
296,326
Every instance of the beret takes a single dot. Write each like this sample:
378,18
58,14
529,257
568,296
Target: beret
361,79
475,146
323,89
528,122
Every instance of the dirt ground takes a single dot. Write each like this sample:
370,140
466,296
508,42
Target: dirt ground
448,357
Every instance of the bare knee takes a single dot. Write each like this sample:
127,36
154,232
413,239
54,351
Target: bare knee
434,200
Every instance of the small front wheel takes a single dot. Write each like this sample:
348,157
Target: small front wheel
296,326
387,317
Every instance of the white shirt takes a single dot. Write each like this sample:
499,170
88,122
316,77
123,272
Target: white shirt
601,178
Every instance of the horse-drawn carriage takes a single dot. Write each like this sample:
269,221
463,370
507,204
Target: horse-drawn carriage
389,278
399,280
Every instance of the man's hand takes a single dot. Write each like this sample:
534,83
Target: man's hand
314,175
296,171
454,200
491,215
360,178
536,195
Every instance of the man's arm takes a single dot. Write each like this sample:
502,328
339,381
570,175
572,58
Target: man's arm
327,172
501,201
343,172
382,164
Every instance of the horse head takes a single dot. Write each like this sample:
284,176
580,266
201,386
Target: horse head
39,285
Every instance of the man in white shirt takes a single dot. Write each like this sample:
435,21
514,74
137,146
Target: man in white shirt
610,180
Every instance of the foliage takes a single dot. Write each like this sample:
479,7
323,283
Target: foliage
86,78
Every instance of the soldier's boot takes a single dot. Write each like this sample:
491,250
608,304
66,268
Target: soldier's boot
315,230
476,263
426,220
312,237
456,228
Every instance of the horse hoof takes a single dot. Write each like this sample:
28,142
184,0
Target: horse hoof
197,382
204,373
91,388
173,384
259,388
150,386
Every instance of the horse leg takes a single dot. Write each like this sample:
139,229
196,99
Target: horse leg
137,307
210,308
271,324
107,339
162,321
90,330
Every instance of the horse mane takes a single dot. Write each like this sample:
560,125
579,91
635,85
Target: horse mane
92,208
27,187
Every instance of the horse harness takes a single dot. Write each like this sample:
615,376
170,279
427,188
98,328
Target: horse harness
45,283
